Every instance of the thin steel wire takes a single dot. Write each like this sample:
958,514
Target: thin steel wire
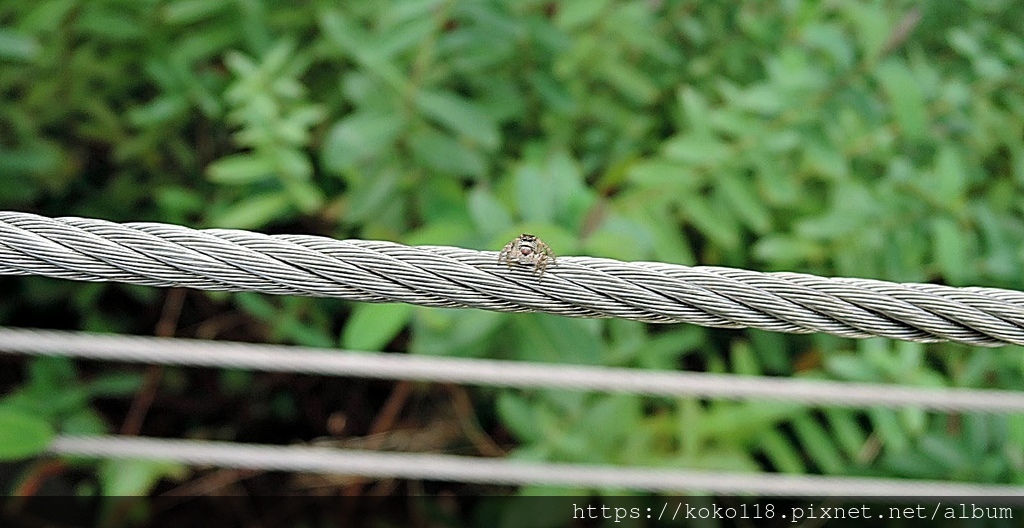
507,472
374,271
329,362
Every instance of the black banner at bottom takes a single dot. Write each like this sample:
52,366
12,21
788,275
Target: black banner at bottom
512,511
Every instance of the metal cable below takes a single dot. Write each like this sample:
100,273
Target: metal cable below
506,472
166,255
330,362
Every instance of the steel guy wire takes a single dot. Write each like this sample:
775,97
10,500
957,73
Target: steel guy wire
376,271
324,460
330,362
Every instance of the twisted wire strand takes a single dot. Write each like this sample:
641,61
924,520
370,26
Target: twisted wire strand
375,271
330,362
509,472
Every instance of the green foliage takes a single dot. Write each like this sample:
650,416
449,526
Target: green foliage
371,326
126,478
864,139
54,398
268,106
22,434
54,393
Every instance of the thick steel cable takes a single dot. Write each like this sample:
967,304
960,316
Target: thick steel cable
507,472
276,358
374,271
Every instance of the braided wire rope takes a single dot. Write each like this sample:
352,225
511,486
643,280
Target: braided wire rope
166,255
517,374
508,472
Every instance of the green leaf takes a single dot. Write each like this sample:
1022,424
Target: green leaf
573,199
52,373
304,195
945,452
535,196
696,115
240,169
553,94
979,433
351,39
371,326
826,159
780,451
873,27
619,238
84,421
631,83
760,98
742,196
359,138
115,384
727,458
688,430
369,196
950,250
846,431
16,47
460,116
444,232
818,444
22,434
743,422
906,100
443,201
552,339
833,40
660,174
462,333
718,225
292,164
191,11
445,155
950,176
158,111
32,162
520,416
489,215
413,32
576,13
888,428
253,212
617,416
697,150
132,478
663,351
850,368
774,350
914,420
743,359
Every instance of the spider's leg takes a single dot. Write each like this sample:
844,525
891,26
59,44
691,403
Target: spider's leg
548,254
540,264
505,255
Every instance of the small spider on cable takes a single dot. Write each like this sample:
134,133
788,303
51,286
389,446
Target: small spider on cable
527,250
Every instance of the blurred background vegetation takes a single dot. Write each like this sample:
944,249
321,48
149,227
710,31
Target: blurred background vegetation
880,139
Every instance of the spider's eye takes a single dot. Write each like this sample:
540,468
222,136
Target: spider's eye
526,250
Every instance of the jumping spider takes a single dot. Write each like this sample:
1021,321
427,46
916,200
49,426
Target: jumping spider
526,250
